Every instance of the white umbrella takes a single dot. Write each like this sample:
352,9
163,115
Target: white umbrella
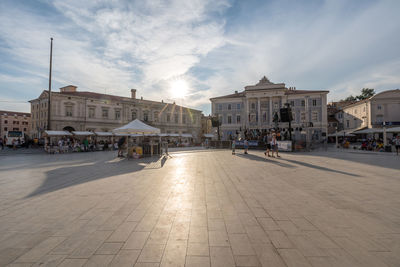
137,127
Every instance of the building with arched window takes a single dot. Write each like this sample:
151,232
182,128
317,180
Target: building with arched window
254,109
89,111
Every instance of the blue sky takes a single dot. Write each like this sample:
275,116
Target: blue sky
215,47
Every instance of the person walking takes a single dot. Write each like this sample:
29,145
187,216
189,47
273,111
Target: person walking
246,146
274,146
233,147
397,144
121,143
268,141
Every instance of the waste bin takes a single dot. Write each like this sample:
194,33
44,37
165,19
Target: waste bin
388,148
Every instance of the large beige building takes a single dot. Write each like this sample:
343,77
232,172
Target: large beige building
88,111
253,109
372,112
14,121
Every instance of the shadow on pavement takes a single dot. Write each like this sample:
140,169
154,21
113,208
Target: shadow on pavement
309,165
69,176
267,160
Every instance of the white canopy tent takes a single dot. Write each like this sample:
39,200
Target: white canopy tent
103,133
82,133
136,127
57,133
341,134
187,135
209,135
393,130
369,131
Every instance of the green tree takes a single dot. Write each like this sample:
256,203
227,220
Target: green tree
366,93
350,98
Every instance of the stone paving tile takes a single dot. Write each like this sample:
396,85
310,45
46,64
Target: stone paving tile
205,208
198,249
221,257
125,258
197,261
109,248
136,240
151,253
99,260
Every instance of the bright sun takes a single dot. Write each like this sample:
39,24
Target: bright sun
179,88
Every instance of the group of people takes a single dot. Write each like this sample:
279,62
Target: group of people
271,145
67,144
373,144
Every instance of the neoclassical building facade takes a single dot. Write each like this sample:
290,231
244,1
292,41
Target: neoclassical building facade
255,107
88,111
371,112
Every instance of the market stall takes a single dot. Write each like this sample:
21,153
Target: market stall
104,140
52,144
141,135
83,141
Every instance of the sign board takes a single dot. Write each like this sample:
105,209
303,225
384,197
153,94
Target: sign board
251,143
284,145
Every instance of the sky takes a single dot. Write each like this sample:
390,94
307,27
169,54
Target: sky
189,51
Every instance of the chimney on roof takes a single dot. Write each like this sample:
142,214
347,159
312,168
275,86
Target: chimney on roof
133,93
68,88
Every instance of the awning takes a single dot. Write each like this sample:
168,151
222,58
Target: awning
393,130
56,133
369,131
103,133
187,135
341,134
82,133
137,127
208,135
174,135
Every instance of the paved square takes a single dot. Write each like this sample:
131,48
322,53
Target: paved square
200,208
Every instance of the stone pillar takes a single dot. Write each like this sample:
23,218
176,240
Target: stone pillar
247,113
270,112
259,113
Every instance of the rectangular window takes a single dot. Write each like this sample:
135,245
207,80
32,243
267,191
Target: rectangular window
68,111
168,117
229,119
104,113
183,119
5,128
145,116
303,103
347,123
314,102
176,118
229,106
314,116
6,121
303,117
379,107
133,115
156,116
238,106
117,114
264,117
292,103
91,112
237,118
220,107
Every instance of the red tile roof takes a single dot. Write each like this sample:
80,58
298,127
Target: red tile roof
12,113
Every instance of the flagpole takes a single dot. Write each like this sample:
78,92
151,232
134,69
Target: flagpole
49,103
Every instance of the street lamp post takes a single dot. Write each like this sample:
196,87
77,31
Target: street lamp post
49,103
337,138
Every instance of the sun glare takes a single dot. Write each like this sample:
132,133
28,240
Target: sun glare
179,88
